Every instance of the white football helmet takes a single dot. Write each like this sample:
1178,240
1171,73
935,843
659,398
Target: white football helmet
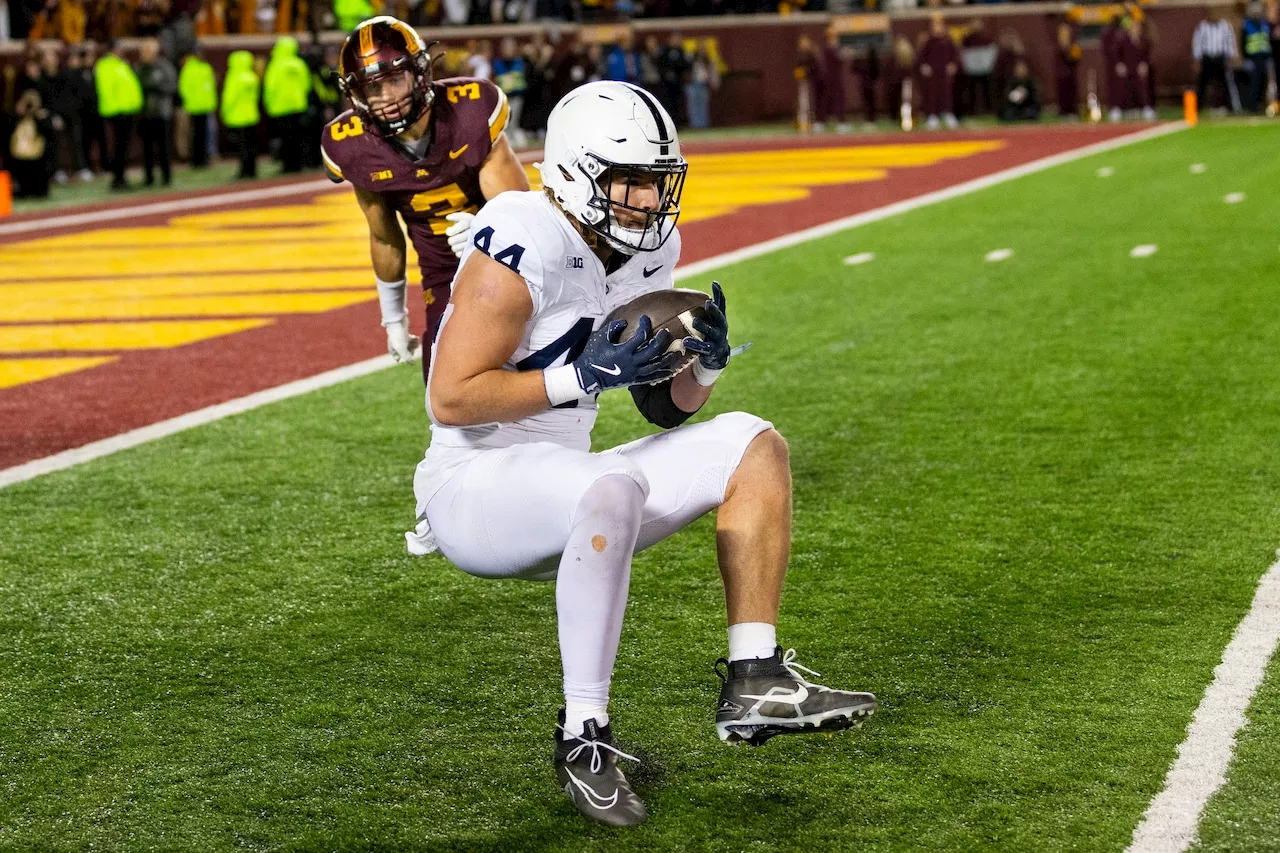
605,132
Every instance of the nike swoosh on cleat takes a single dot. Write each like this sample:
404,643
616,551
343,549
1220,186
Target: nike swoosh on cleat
796,696
593,798
614,371
648,272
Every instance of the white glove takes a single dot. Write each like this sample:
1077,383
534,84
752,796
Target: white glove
402,345
459,233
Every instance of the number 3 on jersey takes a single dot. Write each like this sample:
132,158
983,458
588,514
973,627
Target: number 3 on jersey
349,128
508,257
468,91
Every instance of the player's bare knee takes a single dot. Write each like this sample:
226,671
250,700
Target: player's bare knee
766,464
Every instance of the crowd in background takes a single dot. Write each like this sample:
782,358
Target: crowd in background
70,112
949,73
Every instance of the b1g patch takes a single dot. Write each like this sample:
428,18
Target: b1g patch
384,175
573,262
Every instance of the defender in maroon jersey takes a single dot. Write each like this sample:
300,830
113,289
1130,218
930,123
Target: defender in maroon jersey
431,151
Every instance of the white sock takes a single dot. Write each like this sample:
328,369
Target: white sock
591,593
752,640
577,712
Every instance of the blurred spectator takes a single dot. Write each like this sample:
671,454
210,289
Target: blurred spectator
938,64
582,64
1009,51
64,20
978,52
540,77
285,86
901,65
325,99
1256,35
74,101
704,78
56,99
509,75
1117,72
1213,47
198,88
456,12
1136,56
650,76
1066,58
673,71
866,64
1022,97
150,17
511,11
159,85
351,12
829,93
480,64
29,150
119,102
239,110
806,74
81,63
623,61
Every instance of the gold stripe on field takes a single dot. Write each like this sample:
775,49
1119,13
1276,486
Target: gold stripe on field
191,306
19,371
70,337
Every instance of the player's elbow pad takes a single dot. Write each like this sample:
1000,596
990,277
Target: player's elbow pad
655,403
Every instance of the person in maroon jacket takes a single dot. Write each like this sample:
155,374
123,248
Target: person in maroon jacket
866,64
1135,53
978,52
1113,40
428,152
1065,60
829,87
937,65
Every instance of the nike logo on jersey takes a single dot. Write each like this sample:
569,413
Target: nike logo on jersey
648,272
454,155
592,797
614,371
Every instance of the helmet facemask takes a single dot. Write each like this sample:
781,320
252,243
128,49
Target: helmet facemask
619,210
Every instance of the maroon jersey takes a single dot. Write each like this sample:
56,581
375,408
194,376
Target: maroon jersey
467,116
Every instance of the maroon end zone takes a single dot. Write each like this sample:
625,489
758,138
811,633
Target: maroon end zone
147,386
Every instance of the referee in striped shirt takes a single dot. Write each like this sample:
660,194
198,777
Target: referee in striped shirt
1214,49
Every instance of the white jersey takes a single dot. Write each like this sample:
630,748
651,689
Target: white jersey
571,296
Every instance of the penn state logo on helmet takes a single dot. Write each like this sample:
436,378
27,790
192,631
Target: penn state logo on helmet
385,70
603,139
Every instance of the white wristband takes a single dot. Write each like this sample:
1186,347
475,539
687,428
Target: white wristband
562,384
391,296
705,376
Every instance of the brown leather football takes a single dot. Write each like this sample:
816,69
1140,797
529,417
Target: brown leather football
673,310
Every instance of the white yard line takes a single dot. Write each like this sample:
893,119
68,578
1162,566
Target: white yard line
142,435
97,449
1172,819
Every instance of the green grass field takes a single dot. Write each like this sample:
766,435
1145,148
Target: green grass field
1033,500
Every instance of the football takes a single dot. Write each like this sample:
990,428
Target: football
673,310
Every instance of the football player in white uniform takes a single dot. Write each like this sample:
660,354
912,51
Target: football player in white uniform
509,484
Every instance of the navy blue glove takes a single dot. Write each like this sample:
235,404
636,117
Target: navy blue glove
608,363
713,350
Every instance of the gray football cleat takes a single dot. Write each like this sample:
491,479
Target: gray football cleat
587,767
764,697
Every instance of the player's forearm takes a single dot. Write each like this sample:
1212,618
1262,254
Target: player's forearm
687,394
494,396
388,259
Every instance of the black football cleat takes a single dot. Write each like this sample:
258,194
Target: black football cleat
764,697
587,767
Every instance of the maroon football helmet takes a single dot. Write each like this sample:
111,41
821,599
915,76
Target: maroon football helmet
385,69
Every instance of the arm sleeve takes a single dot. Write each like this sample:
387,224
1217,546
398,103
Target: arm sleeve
655,404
